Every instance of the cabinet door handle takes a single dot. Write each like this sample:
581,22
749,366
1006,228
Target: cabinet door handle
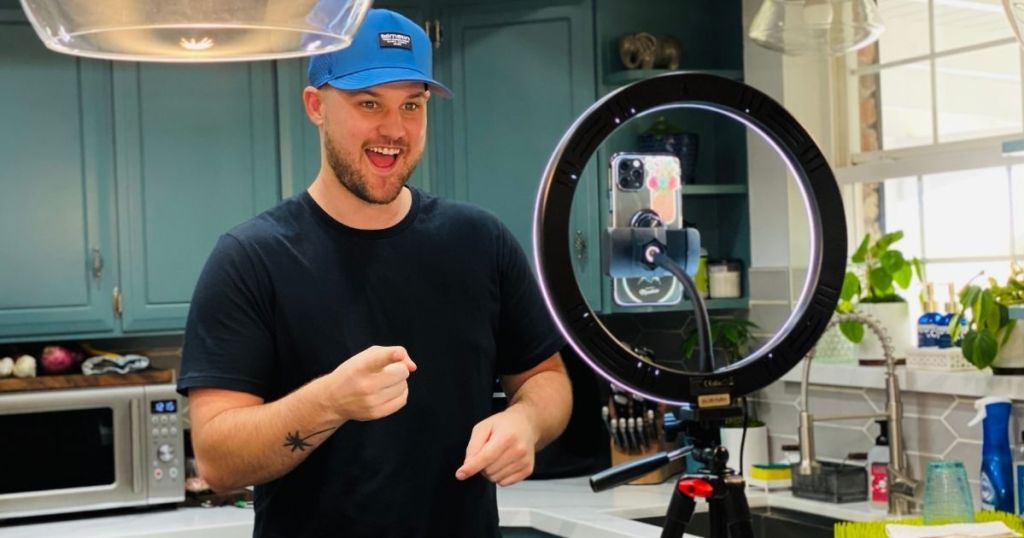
437,34
97,264
118,302
580,245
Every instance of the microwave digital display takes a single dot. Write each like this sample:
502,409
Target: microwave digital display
164,406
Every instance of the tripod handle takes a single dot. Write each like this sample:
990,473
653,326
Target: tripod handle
613,476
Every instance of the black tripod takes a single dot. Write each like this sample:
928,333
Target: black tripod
720,486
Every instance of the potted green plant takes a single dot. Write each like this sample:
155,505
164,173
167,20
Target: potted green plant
730,339
870,286
990,337
755,447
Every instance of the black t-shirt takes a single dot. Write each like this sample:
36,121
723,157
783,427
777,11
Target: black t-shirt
290,294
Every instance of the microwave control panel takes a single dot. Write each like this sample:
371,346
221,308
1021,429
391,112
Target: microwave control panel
165,457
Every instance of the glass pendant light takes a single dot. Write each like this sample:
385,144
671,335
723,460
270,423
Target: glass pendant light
806,27
195,30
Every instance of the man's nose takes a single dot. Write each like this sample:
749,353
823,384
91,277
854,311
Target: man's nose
391,125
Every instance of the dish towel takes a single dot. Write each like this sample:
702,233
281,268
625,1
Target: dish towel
991,529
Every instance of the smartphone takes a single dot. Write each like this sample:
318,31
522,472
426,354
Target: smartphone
645,189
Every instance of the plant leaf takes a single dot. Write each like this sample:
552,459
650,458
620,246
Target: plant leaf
986,349
918,269
969,295
903,275
881,281
862,250
851,287
852,330
882,245
989,316
893,261
968,347
954,326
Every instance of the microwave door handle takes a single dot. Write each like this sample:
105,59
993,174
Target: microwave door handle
136,445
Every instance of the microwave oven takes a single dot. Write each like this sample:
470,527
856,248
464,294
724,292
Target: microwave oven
90,449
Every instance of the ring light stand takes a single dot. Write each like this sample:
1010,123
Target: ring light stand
707,397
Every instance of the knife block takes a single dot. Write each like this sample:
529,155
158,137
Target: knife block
657,476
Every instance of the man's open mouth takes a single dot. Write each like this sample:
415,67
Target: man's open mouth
383,156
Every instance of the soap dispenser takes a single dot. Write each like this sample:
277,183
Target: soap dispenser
929,323
878,464
946,337
996,460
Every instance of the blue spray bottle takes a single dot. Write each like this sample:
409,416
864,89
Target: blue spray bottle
996,459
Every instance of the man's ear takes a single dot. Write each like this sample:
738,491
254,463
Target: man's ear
313,103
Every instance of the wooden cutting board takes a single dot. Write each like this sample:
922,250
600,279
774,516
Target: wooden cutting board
150,376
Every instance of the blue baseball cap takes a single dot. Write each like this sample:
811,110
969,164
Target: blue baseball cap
387,48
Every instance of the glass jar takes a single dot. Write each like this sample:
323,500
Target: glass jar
724,279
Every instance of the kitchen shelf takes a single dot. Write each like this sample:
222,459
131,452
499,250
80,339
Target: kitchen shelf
78,381
619,78
971,383
713,190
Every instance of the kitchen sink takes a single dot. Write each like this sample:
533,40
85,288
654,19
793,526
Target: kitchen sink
767,523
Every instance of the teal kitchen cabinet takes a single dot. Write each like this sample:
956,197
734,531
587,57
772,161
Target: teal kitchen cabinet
196,154
716,203
521,75
118,179
58,237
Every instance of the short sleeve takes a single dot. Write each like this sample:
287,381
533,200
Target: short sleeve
229,341
526,333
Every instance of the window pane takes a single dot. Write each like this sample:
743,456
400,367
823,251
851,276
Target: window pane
966,214
960,273
902,212
979,93
959,23
1018,209
906,29
906,106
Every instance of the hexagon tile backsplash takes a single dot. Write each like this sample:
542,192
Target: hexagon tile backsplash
935,425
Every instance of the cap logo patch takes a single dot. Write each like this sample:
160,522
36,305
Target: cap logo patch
394,40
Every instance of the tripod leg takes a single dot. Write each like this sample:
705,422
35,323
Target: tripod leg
717,523
737,511
680,510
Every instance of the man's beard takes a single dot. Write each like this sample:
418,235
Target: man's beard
349,176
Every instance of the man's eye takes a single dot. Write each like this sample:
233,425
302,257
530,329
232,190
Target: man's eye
412,107
370,105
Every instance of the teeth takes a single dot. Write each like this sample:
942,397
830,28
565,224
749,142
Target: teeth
385,151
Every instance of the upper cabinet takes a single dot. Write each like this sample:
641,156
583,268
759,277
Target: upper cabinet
196,155
119,177
58,237
715,202
118,180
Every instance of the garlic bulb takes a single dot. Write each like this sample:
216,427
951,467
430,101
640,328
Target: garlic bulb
25,366
6,367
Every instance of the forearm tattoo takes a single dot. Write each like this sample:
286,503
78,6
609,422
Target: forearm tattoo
297,442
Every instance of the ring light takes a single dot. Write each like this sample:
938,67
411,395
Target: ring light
585,332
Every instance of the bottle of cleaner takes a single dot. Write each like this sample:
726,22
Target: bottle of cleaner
878,464
996,460
1019,467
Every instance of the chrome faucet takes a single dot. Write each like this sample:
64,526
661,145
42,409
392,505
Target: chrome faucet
904,490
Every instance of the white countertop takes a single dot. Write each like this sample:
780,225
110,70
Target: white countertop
561,507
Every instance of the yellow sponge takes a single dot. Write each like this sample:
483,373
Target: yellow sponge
771,471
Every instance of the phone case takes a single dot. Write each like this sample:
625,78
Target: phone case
660,192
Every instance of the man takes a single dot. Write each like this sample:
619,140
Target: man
341,347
